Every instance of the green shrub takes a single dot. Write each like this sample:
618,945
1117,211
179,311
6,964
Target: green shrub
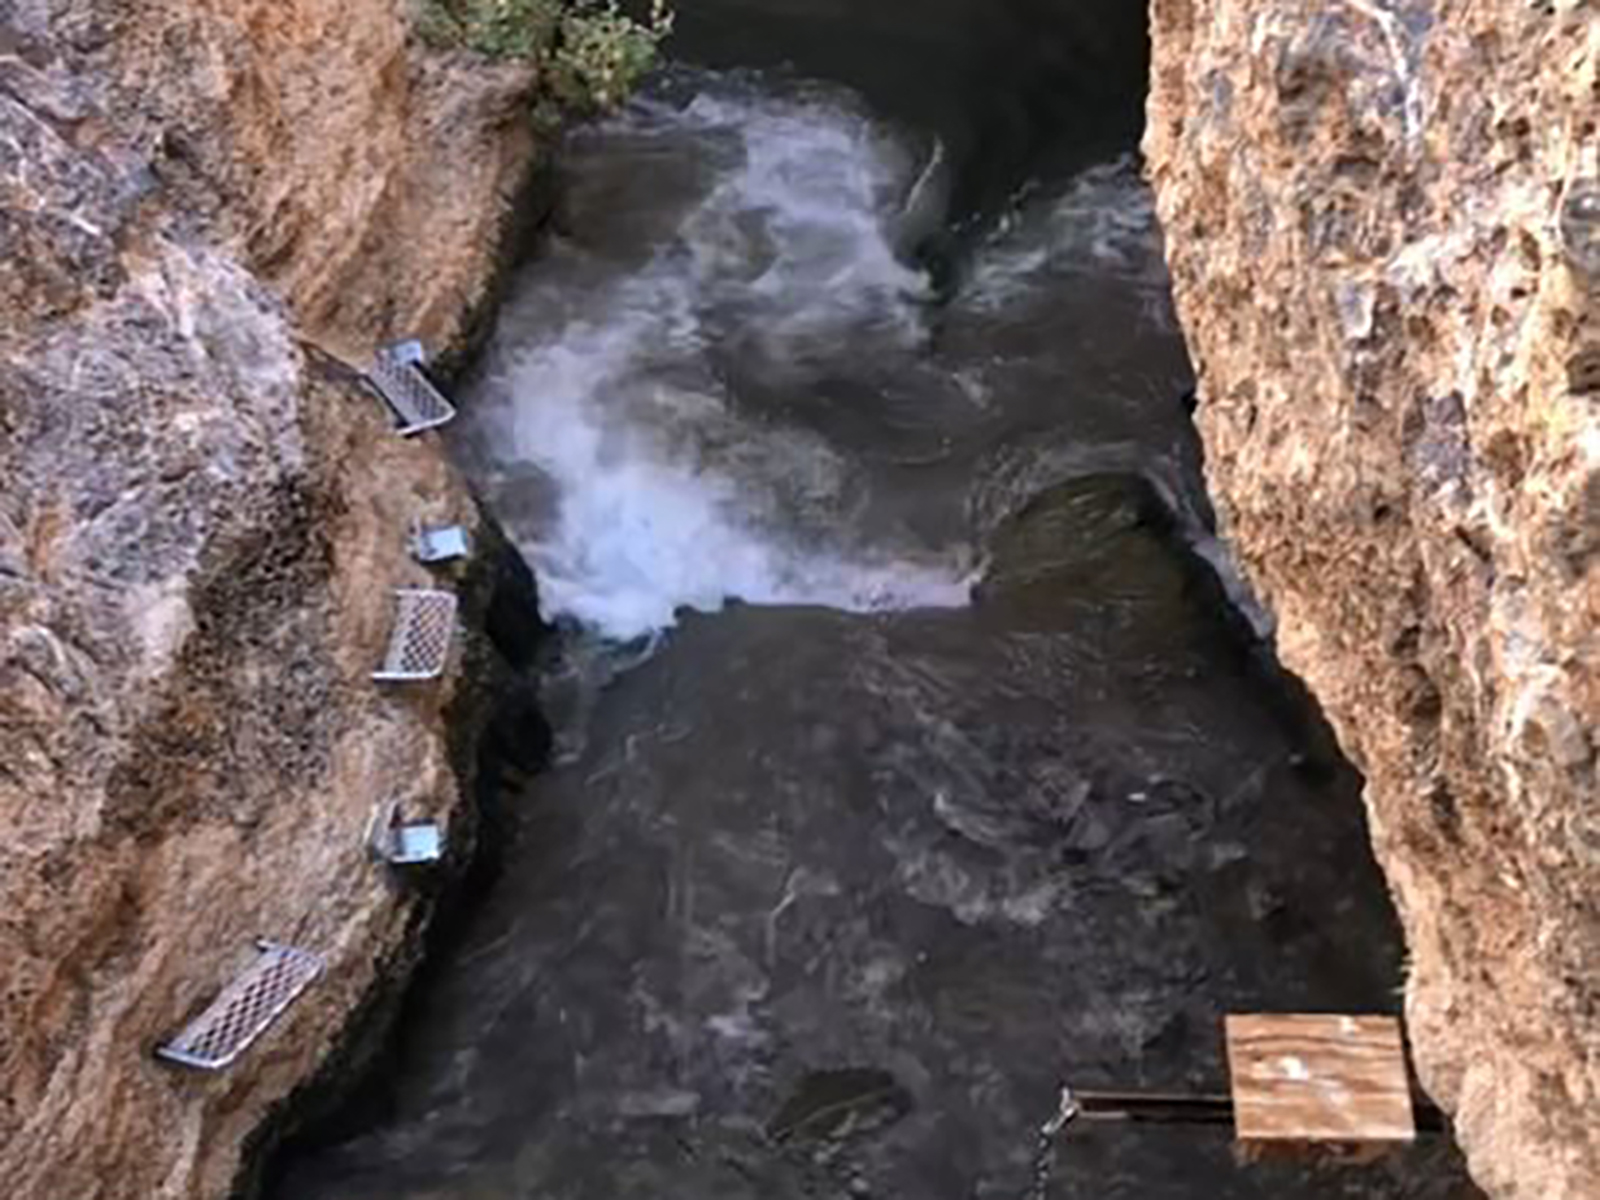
590,53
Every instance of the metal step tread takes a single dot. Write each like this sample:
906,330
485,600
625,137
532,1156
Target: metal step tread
244,1009
416,403
438,545
403,843
419,645
415,844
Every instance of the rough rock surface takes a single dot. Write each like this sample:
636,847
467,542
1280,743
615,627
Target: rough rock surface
1399,355
367,181
200,523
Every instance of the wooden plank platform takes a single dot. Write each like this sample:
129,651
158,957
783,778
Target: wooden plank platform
1307,1083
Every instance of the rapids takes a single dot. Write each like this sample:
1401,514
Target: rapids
915,752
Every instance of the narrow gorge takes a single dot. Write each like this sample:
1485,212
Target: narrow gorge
928,470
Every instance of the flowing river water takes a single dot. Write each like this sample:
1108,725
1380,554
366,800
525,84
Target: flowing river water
915,750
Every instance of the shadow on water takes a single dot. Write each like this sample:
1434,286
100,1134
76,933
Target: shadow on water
832,904
948,772
1019,91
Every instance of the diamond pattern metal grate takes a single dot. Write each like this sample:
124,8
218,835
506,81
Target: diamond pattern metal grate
419,646
244,1009
417,404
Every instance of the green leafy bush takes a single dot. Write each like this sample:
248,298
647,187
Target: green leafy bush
590,52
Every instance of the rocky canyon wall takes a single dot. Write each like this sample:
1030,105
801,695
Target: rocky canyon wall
1387,270
202,516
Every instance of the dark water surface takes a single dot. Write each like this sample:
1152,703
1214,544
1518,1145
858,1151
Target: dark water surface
945,773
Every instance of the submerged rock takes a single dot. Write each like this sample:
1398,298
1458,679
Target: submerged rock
1374,221
833,1105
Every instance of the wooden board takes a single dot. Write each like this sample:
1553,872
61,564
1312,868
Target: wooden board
1315,1081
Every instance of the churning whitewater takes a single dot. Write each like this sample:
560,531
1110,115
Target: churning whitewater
605,427
725,378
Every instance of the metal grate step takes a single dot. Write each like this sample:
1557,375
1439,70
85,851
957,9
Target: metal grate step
416,403
416,844
244,1009
439,545
404,843
419,645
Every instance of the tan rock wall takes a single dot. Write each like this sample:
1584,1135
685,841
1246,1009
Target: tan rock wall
201,520
366,180
1362,203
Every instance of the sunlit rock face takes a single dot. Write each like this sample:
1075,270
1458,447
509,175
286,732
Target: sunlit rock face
200,524
367,180
1384,260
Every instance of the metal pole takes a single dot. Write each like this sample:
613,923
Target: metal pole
1201,1108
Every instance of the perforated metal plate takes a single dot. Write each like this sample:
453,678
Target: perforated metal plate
416,403
419,646
244,1009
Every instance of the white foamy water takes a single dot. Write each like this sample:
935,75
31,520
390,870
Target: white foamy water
741,233
1103,224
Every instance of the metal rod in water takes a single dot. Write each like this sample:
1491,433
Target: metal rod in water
1203,1108
1155,1107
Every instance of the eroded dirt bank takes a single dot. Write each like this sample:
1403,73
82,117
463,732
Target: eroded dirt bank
200,523
1398,397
